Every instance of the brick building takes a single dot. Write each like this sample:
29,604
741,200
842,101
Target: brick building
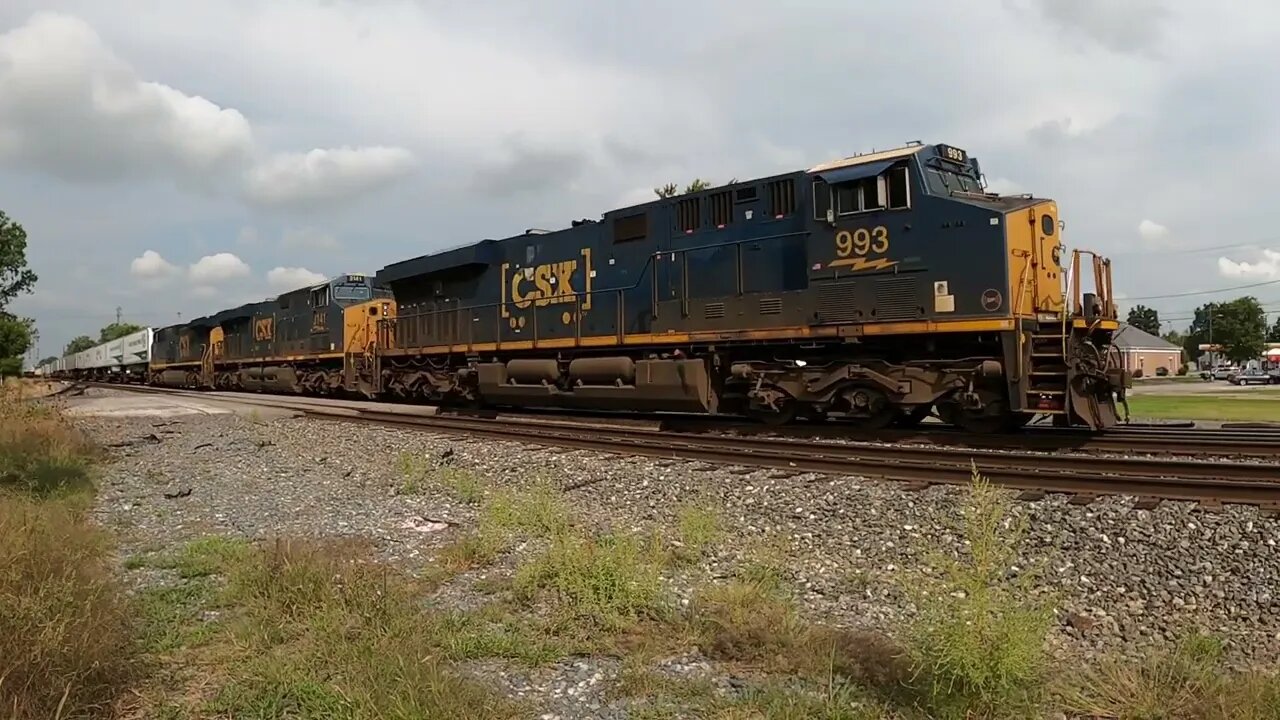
1145,353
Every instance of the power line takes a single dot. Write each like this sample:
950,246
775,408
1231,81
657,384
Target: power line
1205,292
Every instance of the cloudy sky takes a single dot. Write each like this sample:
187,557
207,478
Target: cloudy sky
174,158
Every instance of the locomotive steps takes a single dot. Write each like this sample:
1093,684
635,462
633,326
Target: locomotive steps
1084,477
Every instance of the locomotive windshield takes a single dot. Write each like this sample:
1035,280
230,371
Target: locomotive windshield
944,180
352,292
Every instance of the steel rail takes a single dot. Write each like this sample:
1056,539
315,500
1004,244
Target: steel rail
921,465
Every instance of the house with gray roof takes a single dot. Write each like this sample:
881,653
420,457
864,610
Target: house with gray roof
1145,353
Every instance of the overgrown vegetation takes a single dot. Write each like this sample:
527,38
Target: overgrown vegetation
316,629
66,633
40,452
978,647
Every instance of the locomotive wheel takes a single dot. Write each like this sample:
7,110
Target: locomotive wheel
786,414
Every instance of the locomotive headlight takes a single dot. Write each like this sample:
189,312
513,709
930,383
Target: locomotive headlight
800,363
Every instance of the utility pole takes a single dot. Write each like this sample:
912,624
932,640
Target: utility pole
118,311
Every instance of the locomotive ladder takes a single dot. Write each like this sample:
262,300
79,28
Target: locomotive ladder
1047,378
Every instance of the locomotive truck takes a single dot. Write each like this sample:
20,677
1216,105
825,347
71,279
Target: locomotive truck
877,289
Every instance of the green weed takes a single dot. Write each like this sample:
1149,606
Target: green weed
978,645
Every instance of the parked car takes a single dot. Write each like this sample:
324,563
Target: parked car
1221,372
1251,376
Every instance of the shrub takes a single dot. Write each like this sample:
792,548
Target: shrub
1182,369
66,636
40,452
1137,372
1162,371
978,644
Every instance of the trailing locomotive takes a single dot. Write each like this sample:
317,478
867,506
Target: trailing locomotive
315,340
877,289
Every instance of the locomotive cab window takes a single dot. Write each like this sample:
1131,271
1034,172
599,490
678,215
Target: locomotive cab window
320,297
888,190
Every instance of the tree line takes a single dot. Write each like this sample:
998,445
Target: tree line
16,333
1238,327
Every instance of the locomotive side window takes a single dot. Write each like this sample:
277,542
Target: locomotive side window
821,199
899,189
887,190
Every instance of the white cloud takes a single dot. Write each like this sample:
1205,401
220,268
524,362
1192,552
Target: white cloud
309,239
151,266
1266,268
214,269
1152,232
203,292
284,279
70,107
323,176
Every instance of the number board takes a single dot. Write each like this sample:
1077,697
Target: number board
954,154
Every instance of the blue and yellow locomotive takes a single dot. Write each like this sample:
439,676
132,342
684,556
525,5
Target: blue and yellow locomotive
876,289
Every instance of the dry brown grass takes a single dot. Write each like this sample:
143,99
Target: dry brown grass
41,452
66,634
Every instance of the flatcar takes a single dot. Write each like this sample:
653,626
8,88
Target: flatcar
878,288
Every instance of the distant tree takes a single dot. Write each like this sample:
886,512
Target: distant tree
666,191
1239,327
80,344
1145,319
15,336
15,277
1175,338
117,330
1273,335
698,185
671,189
46,361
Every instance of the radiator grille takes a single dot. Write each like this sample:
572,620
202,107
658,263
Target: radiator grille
713,311
896,298
770,306
836,302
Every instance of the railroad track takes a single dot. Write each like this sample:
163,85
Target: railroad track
920,465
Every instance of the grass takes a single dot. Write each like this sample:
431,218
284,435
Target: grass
1228,408
314,629
317,629
67,636
40,452
421,474
1188,680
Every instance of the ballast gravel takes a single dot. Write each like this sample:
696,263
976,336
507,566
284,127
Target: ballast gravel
1125,578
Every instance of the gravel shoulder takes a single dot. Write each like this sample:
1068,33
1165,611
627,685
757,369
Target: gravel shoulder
1126,579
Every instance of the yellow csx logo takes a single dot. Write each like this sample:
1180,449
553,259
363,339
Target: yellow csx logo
856,249
549,283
